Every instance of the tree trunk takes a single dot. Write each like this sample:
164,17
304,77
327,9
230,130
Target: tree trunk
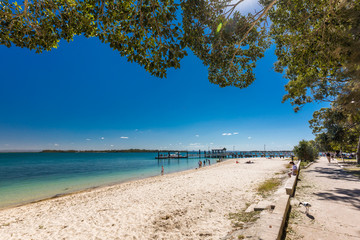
358,152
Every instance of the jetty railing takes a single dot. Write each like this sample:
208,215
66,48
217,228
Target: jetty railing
230,154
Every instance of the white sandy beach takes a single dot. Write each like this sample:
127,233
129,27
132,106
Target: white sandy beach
188,205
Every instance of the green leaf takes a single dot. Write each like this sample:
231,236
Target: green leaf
219,28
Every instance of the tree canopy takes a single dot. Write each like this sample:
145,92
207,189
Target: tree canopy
335,129
151,33
316,41
145,32
316,44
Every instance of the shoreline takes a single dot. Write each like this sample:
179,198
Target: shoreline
191,204
63,194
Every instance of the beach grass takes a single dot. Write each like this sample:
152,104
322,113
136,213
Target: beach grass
268,186
239,219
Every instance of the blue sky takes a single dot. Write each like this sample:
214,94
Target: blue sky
84,95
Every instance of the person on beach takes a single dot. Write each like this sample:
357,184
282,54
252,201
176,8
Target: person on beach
204,163
293,171
162,170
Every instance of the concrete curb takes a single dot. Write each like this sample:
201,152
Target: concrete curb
308,165
274,223
291,182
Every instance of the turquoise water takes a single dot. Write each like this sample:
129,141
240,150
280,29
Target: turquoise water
26,177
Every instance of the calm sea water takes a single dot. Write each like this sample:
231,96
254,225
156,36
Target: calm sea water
26,177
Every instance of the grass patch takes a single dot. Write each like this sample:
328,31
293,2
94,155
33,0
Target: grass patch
268,186
239,219
294,215
304,164
346,160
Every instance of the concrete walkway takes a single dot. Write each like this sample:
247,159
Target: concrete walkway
334,196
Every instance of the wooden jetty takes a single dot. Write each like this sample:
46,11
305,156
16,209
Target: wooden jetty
176,154
222,153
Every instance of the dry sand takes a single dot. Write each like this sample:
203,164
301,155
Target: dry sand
188,205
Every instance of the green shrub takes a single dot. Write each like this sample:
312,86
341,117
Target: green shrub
306,151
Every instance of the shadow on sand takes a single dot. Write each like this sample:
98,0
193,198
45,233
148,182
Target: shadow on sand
310,216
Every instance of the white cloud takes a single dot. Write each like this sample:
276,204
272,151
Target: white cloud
102,138
194,144
197,135
227,134
111,145
56,145
249,137
235,133
88,139
124,137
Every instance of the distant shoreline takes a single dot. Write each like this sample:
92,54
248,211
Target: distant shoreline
123,151
100,151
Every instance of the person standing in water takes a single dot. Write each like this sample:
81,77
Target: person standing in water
162,170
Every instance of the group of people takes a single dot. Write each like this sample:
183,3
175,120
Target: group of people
201,163
204,163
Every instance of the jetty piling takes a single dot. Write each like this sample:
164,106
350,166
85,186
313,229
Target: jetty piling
222,153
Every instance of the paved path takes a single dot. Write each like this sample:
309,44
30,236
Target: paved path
335,198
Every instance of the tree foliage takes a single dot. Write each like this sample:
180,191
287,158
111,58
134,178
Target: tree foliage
316,44
216,36
146,32
306,150
316,41
322,143
336,129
